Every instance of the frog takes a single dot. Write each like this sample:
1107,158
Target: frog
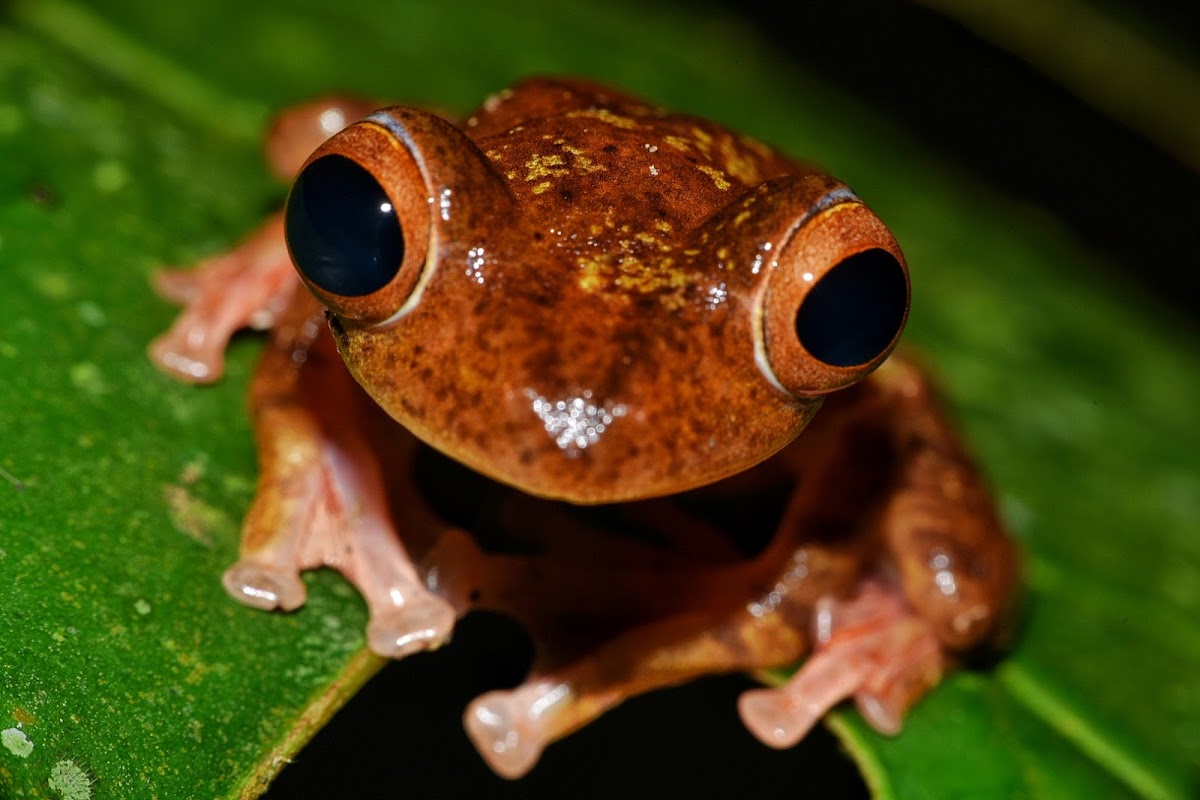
554,360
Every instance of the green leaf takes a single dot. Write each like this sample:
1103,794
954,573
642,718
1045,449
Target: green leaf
128,140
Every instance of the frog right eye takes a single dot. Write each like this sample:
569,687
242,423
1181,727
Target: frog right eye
357,224
836,299
854,313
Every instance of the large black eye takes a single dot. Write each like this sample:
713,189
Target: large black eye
855,310
341,229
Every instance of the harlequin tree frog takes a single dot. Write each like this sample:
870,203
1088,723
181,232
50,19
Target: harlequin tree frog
620,319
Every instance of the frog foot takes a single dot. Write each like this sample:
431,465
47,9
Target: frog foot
264,586
424,622
871,647
508,727
247,287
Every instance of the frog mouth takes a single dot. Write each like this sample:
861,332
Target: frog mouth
504,519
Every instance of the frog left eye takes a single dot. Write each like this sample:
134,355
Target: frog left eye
357,224
342,229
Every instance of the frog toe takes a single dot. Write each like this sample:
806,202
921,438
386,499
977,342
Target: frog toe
506,731
773,719
876,651
264,586
781,717
177,285
189,354
914,665
421,623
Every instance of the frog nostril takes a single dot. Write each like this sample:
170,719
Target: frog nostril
342,230
855,311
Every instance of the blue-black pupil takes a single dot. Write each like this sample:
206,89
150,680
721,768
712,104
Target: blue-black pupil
341,229
855,311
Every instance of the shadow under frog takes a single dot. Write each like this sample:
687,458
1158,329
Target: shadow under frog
623,318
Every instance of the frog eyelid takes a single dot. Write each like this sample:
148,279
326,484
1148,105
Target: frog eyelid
389,123
836,196
842,194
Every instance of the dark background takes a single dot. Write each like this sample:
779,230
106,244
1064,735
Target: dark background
989,114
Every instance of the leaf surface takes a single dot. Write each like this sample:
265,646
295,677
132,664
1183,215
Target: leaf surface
128,140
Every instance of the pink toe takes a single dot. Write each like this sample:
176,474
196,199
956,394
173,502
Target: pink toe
424,622
263,586
773,719
176,356
503,733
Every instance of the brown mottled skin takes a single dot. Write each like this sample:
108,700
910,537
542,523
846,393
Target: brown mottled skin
570,243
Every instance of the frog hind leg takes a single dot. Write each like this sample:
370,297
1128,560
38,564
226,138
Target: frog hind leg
955,561
511,728
321,500
250,285
889,509
947,583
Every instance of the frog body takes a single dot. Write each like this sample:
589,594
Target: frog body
592,301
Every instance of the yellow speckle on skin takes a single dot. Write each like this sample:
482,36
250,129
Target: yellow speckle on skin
678,142
629,274
580,159
719,178
738,163
544,166
494,155
541,187
663,226
604,115
758,147
740,218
